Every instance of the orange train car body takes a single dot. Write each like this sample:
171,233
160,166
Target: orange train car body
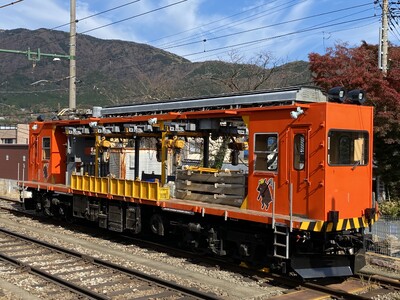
298,174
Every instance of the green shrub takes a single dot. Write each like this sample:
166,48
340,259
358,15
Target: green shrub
390,208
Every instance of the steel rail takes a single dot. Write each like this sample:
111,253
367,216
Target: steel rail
288,281
155,280
55,279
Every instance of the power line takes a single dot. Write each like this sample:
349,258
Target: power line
269,13
137,65
278,36
267,26
84,18
392,26
312,16
135,16
120,21
213,22
257,41
246,44
236,23
97,14
12,3
284,41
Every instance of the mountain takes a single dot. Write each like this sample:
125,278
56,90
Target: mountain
115,72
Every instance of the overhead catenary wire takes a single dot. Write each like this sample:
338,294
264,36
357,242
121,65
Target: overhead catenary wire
242,48
135,16
278,36
117,22
235,23
87,17
125,19
392,26
201,52
11,3
213,22
311,16
392,17
96,14
270,12
256,41
336,24
224,27
276,24
141,95
266,26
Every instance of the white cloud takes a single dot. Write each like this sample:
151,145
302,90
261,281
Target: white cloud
33,14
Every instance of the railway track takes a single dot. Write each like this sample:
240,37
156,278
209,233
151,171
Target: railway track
362,286
84,275
356,287
359,287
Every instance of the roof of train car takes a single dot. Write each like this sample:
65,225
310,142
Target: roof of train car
303,94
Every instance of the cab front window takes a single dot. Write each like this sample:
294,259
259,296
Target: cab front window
347,147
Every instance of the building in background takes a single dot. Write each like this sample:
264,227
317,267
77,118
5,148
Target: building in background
14,161
14,151
14,134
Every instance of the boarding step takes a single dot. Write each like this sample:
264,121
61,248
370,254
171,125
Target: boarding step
281,241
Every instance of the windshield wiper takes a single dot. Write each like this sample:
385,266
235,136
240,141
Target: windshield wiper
356,164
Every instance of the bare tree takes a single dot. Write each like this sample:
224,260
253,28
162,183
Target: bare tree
246,75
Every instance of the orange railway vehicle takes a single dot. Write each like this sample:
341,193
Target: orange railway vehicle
294,191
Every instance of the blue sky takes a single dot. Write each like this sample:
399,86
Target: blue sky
211,29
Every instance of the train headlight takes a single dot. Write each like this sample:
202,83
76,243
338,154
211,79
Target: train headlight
337,94
356,97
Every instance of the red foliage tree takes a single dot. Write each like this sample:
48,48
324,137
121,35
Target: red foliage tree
358,68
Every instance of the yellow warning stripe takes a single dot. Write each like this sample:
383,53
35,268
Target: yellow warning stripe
342,224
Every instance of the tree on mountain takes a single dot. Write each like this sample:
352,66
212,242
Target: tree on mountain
358,68
245,74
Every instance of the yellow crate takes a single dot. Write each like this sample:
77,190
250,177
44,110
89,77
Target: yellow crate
73,182
120,187
104,185
128,188
143,190
92,183
86,183
136,189
113,186
164,193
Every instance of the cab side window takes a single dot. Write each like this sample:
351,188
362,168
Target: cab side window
46,148
299,156
266,152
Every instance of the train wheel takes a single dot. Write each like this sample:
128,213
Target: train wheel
157,224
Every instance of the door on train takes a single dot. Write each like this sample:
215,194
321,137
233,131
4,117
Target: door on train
298,170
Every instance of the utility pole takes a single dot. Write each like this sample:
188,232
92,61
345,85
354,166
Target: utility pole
383,53
72,61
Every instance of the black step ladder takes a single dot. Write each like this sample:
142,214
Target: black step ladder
281,241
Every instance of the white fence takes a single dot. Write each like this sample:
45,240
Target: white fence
9,188
385,234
